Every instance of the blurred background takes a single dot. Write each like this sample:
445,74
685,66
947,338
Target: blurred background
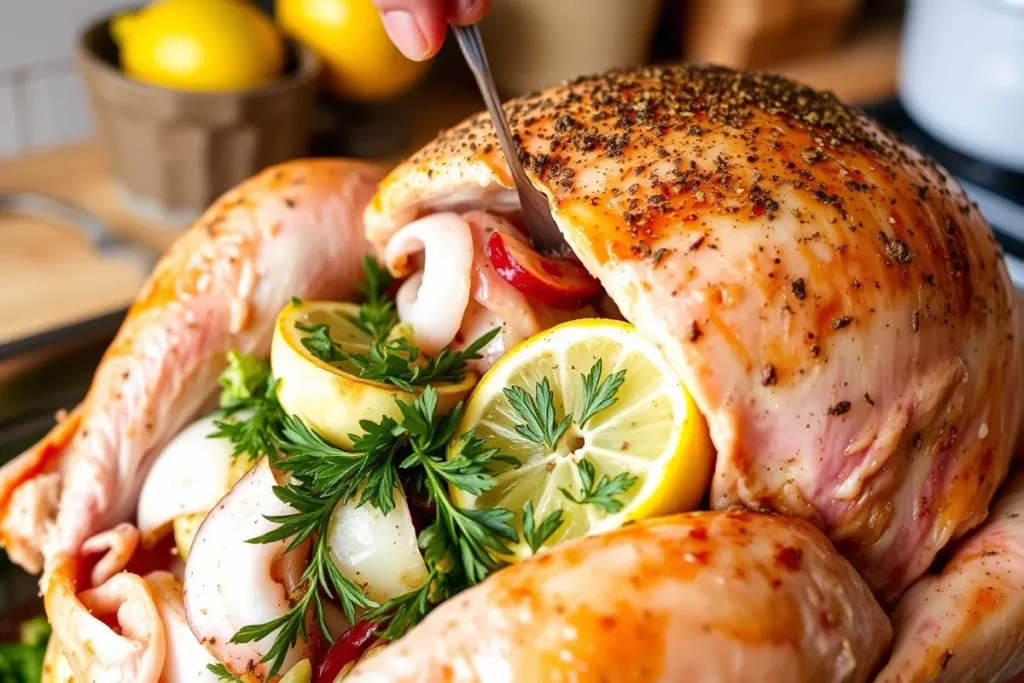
119,124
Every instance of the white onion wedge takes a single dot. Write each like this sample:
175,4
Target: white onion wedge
191,474
377,552
231,583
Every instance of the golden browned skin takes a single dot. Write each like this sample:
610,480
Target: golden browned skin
729,597
835,303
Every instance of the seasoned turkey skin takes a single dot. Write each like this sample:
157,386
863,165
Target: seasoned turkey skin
708,596
835,303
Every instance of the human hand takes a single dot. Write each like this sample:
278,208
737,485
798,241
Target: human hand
418,27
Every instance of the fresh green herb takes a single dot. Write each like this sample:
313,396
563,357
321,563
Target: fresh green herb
539,415
602,492
598,395
377,314
402,613
296,301
222,673
462,546
536,535
242,380
319,343
324,477
22,662
473,537
322,579
396,362
249,388
391,361
319,467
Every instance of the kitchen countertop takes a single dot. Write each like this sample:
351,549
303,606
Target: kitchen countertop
49,274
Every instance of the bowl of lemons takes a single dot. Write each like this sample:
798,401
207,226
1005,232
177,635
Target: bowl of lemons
191,97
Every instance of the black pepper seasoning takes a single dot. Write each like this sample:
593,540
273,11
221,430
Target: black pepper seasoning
840,323
840,408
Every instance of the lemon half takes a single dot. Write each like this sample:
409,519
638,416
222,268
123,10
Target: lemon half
331,398
653,433
360,61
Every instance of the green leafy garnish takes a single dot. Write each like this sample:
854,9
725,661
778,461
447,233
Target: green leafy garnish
318,342
323,477
22,662
598,395
242,379
249,387
536,535
322,579
396,362
539,415
377,314
473,537
602,492
459,547
222,672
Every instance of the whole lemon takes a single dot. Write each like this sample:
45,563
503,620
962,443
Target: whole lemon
360,61
207,45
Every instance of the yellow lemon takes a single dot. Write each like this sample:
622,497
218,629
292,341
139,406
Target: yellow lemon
360,60
203,45
331,398
618,455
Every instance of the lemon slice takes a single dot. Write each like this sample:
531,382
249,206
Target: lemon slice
331,398
652,437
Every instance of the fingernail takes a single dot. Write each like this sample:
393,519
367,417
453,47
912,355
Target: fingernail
466,7
405,33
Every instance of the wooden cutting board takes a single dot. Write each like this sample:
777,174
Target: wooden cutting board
49,274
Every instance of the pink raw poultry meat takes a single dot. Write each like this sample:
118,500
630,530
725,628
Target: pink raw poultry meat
294,230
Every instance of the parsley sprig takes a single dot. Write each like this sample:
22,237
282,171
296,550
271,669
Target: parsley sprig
320,580
537,535
247,388
538,413
598,395
391,361
600,493
377,314
323,477
395,361
222,673
541,426
461,547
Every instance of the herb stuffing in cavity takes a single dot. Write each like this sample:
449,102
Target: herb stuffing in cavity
460,546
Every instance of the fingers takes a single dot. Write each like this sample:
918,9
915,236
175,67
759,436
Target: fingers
418,27
468,11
